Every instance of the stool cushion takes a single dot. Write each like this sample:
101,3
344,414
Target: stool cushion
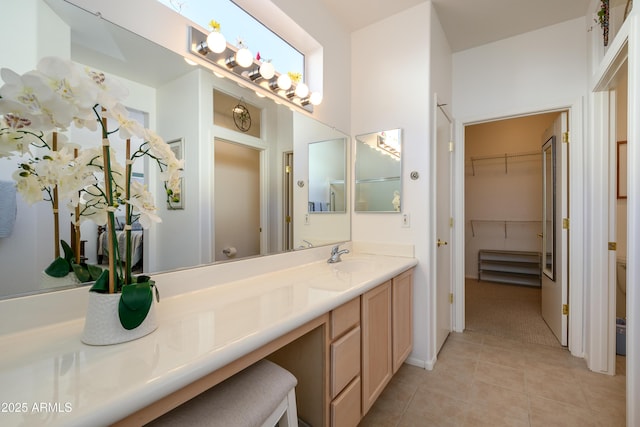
246,399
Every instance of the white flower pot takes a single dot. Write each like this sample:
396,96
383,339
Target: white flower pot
49,282
102,324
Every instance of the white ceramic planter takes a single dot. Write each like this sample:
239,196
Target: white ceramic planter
48,282
102,324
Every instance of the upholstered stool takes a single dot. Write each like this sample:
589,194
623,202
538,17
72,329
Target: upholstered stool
258,396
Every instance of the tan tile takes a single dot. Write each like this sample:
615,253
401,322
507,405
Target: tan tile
505,343
453,386
546,412
455,366
504,357
439,408
551,387
611,420
411,375
509,403
500,375
460,349
468,336
397,394
492,416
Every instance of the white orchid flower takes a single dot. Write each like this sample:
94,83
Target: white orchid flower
143,204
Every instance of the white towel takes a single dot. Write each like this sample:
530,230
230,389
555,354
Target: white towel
8,207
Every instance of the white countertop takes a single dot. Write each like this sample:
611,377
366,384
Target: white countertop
49,377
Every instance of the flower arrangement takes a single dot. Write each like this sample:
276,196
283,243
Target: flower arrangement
36,110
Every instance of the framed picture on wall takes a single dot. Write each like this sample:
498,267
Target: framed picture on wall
176,201
621,181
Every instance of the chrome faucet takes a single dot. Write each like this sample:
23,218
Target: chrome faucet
335,254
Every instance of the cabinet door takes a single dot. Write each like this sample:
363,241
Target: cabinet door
402,299
376,343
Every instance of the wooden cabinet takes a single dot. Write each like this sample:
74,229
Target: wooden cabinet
387,334
402,317
376,343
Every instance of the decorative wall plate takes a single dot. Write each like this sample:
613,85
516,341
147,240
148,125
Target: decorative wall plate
242,117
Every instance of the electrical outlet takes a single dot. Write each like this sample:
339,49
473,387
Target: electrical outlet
406,220
306,219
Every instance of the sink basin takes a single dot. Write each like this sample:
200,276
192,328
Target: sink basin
354,265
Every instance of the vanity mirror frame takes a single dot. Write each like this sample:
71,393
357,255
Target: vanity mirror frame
365,160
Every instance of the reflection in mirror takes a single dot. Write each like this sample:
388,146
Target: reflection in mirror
315,230
327,162
378,171
177,101
548,207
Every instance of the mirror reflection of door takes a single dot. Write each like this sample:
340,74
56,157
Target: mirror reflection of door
237,200
288,201
548,207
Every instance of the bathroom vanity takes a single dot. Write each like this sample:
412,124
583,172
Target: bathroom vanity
343,329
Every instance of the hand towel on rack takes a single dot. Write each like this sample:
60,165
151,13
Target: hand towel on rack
8,207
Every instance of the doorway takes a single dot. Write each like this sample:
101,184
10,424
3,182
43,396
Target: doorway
618,171
503,227
237,196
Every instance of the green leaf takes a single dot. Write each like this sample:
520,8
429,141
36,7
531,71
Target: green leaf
94,271
102,283
68,252
82,272
135,303
58,268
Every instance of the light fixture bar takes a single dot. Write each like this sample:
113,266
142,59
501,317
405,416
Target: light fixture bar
252,73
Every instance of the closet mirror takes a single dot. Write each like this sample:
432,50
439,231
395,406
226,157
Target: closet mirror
548,207
327,163
177,101
378,170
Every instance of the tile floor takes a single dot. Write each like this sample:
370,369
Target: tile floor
483,380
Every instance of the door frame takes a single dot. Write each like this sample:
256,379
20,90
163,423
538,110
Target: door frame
256,144
577,255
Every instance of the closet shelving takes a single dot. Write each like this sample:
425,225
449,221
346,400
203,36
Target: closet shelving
512,267
505,156
504,222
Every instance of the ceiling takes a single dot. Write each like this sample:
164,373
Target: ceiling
466,23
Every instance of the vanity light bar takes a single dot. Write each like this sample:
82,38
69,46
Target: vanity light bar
260,74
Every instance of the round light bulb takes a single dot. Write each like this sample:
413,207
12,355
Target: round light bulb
216,42
267,70
244,58
315,98
302,90
284,82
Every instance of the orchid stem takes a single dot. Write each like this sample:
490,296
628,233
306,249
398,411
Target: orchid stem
56,215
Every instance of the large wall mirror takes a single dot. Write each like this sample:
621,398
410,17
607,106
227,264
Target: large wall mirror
378,169
177,101
549,207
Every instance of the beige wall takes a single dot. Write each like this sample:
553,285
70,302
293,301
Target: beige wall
495,198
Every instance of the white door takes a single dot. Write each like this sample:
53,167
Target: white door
555,289
443,228
237,200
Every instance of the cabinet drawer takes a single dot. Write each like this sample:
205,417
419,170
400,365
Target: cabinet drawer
345,317
345,360
345,409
